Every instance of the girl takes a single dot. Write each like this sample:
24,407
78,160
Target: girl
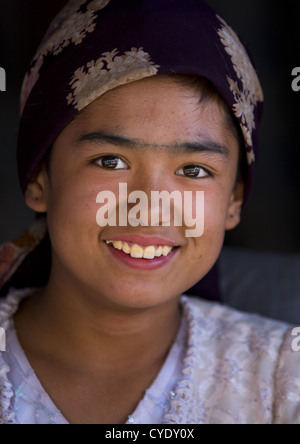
161,97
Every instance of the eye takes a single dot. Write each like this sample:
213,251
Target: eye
111,162
193,171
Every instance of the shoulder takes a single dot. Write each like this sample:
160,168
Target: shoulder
8,307
287,380
245,364
9,304
219,323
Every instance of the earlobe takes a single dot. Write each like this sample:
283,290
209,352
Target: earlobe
234,215
235,207
35,195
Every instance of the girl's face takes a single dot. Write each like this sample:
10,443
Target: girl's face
151,135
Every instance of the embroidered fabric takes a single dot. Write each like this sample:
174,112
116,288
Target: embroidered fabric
30,402
156,402
32,405
237,369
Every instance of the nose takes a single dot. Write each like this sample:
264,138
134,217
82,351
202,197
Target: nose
150,178
159,202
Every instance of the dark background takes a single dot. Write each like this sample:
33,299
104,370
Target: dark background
271,219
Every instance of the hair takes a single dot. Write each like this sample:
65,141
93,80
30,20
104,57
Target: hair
207,94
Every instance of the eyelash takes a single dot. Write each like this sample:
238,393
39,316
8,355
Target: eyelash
192,166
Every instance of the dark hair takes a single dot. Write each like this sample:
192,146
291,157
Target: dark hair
208,93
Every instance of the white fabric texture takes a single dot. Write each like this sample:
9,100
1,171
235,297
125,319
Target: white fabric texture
236,369
32,405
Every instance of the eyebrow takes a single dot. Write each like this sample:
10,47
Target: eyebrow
207,145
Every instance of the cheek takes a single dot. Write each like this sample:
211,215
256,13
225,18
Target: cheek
216,210
72,208
208,246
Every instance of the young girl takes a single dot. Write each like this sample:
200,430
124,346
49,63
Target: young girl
160,97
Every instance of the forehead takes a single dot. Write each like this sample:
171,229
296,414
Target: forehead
155,111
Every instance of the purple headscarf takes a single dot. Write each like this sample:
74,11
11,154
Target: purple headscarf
93,46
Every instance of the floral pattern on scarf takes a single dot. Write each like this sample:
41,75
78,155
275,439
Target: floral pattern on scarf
69,26
247,97
110,70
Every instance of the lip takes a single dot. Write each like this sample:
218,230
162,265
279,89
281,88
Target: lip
144,241
142,264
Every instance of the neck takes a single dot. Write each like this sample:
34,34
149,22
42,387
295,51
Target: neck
81,328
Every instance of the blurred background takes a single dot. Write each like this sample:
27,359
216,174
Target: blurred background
271,220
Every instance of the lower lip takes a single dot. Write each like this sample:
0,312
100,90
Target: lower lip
142,264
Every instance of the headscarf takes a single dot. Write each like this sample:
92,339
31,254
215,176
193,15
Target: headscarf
93,46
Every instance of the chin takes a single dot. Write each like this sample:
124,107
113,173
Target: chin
139,297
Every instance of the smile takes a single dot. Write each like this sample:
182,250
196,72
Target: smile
138,252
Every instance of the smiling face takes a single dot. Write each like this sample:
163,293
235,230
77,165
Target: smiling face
153,136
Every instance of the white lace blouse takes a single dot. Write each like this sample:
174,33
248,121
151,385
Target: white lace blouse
225,367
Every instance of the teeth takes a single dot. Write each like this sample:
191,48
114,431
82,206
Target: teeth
138,252
158,251
117,245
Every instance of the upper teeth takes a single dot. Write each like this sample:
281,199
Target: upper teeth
137,251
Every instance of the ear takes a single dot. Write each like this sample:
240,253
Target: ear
36,192
235,206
